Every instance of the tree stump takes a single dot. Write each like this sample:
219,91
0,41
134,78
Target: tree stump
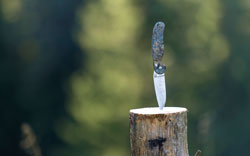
155,132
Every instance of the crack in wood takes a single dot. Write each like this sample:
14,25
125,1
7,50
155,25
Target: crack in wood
156,142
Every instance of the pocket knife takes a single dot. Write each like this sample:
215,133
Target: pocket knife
159,67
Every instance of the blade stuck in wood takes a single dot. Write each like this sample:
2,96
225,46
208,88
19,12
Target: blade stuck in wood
159,68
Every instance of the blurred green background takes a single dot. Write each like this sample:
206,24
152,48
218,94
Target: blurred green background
72,70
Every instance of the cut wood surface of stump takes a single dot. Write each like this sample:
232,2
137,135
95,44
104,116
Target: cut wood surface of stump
155,132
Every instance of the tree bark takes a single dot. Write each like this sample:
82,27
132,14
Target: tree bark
155,132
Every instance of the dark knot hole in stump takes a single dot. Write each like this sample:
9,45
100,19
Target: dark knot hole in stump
156,142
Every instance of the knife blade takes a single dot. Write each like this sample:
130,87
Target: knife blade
160,89
159,68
